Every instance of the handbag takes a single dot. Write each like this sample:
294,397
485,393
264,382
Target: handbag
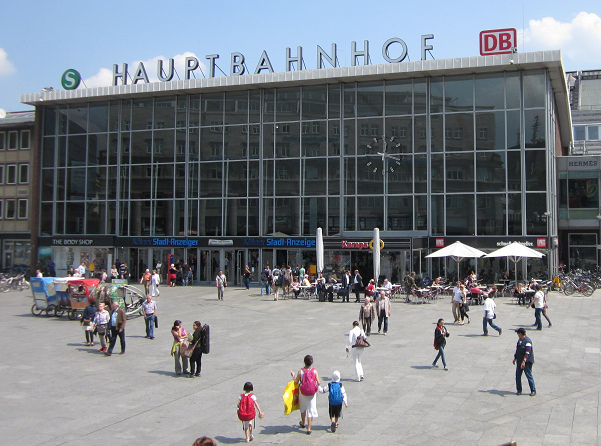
101,329
189,351
156,322
361,342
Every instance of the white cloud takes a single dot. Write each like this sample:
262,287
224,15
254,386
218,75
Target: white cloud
579,40
6,66
104,77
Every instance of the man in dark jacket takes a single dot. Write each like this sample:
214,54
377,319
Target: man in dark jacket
357,285
117,328
523,360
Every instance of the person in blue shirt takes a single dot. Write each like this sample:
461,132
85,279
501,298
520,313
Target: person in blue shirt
523,359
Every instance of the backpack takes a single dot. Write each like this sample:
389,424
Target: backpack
308,385
205,339
287,276
246,411
264,276
335,395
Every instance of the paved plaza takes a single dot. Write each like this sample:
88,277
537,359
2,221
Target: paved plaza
56,391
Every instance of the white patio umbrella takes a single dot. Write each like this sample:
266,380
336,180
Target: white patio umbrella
376,252
319,250
458,251
515,252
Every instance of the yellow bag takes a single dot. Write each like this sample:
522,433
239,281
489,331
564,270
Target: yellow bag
290,397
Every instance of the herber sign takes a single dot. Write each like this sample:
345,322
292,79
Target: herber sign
498,41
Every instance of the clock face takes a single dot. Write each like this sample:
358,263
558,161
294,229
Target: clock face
378,158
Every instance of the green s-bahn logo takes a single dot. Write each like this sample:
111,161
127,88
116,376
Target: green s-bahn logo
71,79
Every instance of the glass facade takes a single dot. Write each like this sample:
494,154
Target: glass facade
438,156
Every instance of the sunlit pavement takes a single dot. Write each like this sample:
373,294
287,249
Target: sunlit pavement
55,391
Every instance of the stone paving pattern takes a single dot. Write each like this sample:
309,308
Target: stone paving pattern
56,391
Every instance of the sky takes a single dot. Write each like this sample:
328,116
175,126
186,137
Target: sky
39,41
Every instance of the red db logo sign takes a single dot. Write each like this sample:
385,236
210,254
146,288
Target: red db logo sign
439,243
498,41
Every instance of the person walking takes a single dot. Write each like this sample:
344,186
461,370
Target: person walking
266,280
247,410
220,283
145,280
440,341
357,286
356,351
155,281
117,328
196,358
180,338
464,307
383,310
149,310
101,321
523,359
247,275
538,303
409,285
87,321
489,315
336,397
367,314
458,296
346,286
308,381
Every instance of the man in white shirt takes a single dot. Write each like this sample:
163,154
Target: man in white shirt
538,302
489,315
81,269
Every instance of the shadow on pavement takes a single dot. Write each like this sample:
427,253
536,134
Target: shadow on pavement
502,393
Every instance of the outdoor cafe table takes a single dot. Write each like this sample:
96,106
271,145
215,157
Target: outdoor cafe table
305,291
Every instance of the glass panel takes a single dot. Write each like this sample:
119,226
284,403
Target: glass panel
370,98
437,170
211,109
350,173
141,147
437,214
514,171
236,107
46,219
514,210
349,100
96,183
268,204
235,179
400,213
334,101
48,151
179,180
419,96
349,138
460,215
579,133
210,213
333,177
98,117
287,143
235,217
513,130
583,193
181,113
142,114
193,180
97,149
210,143
163,146
534,89
268,172
420,171
420,136
47,184
490,172
268,140
593,132
333,217
491,214
459,171
314,176
287,104
59,223
350,221
400,181
370,213
212,173
535,129
75,222
535,167
49,121
252,228
287,176
180,145
459,93
315,100
436,95
140,184
314,214
77,151
113,148
76,184
78,119
399,97
112,183
421,212
536,221
436,133
512,90
63,120
254,106
459,132
490,131
253,179
235,142
60,184
402,131
95,217
287,219
563,193
314,139
489,92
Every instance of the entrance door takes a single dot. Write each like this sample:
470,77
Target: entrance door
364,262
240,266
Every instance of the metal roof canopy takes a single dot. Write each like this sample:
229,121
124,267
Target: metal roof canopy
550,60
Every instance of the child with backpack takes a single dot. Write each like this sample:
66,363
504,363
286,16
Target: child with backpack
308,381
247,410
336,397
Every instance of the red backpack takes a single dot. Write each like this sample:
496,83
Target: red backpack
246,411
308,385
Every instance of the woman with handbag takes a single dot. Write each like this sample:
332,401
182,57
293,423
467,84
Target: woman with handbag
464,307
180,344
196,358
87,322
356,345
367,314
101,321
440,341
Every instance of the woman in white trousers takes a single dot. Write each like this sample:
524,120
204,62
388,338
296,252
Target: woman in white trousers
356,352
